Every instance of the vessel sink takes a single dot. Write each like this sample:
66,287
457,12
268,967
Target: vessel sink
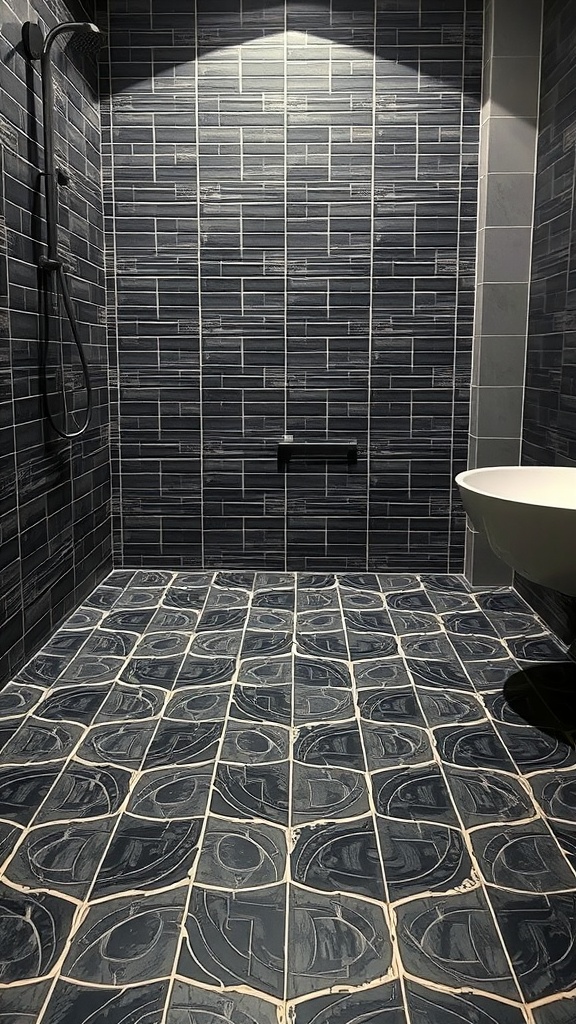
528,514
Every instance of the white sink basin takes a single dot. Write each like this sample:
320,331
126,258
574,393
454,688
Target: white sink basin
528,514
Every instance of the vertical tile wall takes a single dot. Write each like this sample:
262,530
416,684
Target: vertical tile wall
550,402
54,496
291,216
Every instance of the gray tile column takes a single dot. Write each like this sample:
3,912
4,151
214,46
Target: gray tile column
508,144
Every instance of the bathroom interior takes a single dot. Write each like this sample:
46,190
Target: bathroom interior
285,737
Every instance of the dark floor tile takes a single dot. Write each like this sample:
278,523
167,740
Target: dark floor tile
322,703
86,791
226,599
198,671
472,746
409,622
318,600
162,643
37,741
445,582
317,672
371,645
335,940
168,793
266,671
452,941
73,704
556,793
147,855
268,619
67,642
533,750
83,617
390,745
446,674
413,794
322,645
485,797
381,1003
539,932
318,621
8,728
358,600
420,857
452,602
246,743
394,706
372,622
178,743
473,624
490,674
337,746
535,649
9,836
133,621
340,857
171,620
34,929
199,705
127,940
519,703
262,704
315,580
123,744
440,708
103,597
64,860
18,698
252,791
191,580
266,580
225,644
501,601
104,641
515,624
80,1004
431,1006
152,671
237,855
522,856
381,673
131,703
430,647
222,620
150,578
395,582
21,1004
413,601
233,580
274,599
92,668
265,643
562,1011
236,938
140,597
192,598
474,648
190,1003
320,794
43,670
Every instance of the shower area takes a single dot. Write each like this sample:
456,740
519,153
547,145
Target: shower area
281,742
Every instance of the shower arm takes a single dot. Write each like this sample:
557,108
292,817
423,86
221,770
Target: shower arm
52,261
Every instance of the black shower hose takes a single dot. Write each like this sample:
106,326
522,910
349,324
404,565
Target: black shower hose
57,270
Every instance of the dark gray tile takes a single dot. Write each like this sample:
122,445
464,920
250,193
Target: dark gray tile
238,855
420,857
487,797
339,857
327,793
167,793
74,1004
525,857
252,791
147,855
45,920
85,791
431,1006
63,860
413,794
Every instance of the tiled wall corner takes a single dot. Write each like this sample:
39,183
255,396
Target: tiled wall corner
55,531
512,45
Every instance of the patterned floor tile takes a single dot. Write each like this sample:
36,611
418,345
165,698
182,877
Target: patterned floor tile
201,767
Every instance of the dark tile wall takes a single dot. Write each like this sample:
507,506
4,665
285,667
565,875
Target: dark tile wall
54,496
550,402
291,213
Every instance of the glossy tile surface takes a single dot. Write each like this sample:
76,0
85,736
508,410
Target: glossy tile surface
225,796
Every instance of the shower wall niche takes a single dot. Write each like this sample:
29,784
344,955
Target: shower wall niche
290,197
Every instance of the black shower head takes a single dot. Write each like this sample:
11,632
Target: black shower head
37,45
